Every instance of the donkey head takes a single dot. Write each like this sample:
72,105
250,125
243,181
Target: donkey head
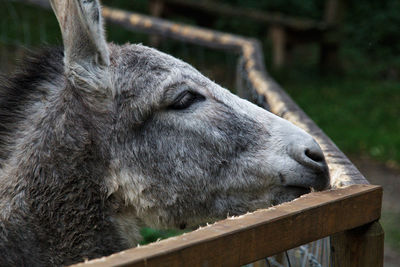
183,149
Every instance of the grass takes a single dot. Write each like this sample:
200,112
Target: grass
151,235
390,223
361,115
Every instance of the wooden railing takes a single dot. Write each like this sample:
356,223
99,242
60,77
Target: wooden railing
285,32
349,215
250,237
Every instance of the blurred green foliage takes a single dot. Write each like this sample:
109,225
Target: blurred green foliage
27,26
374,28
371,29
361,115
390,222
152,235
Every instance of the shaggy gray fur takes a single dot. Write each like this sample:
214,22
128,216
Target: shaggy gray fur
107,138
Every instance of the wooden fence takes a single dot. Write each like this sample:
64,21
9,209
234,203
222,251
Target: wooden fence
245,239
348,213
285,32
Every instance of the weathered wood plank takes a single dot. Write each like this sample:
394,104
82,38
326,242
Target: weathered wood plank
359,247
244,239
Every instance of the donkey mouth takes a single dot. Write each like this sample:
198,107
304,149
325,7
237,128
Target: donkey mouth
298,190
291,192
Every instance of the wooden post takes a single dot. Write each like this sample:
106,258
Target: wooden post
281,258
359,247
331,11
330,43
241,83
260,263
156,8
278,37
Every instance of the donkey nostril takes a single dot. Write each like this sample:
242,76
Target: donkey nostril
308,153
315,155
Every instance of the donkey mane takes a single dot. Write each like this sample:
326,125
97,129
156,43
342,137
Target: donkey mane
23,89
80,187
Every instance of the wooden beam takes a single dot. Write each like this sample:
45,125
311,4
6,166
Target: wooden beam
260,263
218,9
247,238
360,247
278,38
330,40
333,11
156,8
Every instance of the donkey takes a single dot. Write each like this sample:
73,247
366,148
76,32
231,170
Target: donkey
98,140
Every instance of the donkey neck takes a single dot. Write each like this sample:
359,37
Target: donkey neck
56,175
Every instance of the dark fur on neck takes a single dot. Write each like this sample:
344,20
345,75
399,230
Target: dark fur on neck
60,213
21,90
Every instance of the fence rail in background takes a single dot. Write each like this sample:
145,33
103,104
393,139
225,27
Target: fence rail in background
284,31
254,236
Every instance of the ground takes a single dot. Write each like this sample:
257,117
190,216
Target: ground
389,177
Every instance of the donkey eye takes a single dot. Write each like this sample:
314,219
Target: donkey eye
186,99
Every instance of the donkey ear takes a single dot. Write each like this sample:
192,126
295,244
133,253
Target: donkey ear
82,31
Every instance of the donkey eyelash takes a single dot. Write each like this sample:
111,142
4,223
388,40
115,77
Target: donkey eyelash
185,100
